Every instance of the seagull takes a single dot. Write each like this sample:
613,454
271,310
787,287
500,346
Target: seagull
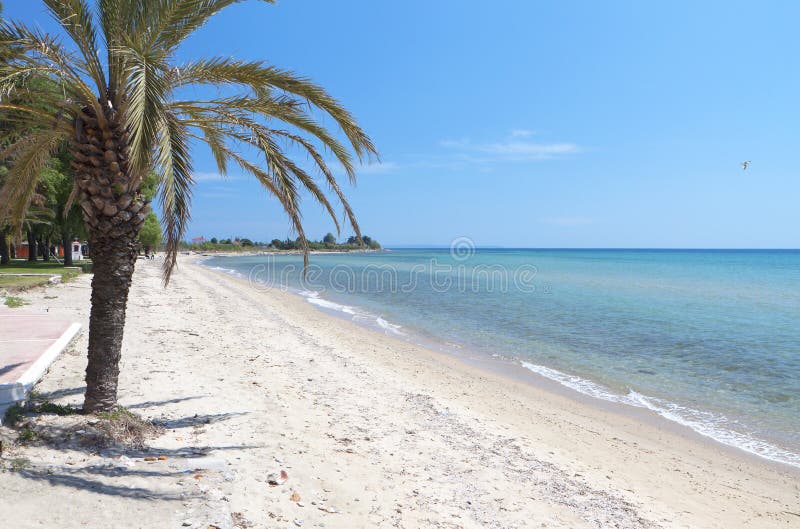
745,164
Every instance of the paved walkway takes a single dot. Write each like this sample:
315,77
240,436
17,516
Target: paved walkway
29,342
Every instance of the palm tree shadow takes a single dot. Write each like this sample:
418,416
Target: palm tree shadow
60,393
156,403
100,478
196,420
75,480
9,368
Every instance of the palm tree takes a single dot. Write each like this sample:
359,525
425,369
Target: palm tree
119,106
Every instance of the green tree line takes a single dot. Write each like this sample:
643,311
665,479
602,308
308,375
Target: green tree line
328,242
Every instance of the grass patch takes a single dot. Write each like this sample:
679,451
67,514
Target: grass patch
14,414
122,426
56,409
22,266
14,302
17,283
118,414
19,463
26,436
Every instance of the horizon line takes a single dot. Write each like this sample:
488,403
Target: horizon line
628,248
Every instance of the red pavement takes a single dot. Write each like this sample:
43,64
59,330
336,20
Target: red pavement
24,338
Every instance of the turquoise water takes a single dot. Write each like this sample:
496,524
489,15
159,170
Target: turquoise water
710,339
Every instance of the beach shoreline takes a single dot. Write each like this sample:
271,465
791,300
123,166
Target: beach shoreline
398,435
517,370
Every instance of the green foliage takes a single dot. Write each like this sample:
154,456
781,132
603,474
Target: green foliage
14,302
295,245
122,60
149,186
151,234
55,409
26,435
117,414
20,463
21,283
14,414
13,282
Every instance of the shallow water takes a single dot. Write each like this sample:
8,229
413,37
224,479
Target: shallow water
710,339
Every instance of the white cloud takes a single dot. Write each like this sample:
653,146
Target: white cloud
516,148
524,149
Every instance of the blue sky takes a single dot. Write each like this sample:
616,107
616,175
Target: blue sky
536,124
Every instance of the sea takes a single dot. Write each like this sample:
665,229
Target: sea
709,339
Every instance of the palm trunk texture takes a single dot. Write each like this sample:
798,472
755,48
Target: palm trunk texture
114,211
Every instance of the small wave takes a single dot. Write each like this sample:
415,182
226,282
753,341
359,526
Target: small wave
229,271
389,327
330,305
356,314
705,423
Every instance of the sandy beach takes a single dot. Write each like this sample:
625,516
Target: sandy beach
371,431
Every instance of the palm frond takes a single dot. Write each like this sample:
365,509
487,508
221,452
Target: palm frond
131,94
329,176
180,18
289,205
75,17
31,155
33,49
175,185
145,108
262,79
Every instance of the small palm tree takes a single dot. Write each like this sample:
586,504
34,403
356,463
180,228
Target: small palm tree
119,106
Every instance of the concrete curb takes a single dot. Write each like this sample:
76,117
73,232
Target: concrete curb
13,392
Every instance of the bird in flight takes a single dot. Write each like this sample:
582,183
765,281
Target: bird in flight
745,164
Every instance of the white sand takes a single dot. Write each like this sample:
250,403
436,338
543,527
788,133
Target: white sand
379,432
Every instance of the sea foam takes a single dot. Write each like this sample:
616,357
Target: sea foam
356,314
705,423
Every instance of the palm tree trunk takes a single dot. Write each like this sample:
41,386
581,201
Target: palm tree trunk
66,243
112,264
114,211
45,242
4,257
32,246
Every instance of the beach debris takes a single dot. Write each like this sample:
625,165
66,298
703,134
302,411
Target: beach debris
295,497
298,522
277,479
239,521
